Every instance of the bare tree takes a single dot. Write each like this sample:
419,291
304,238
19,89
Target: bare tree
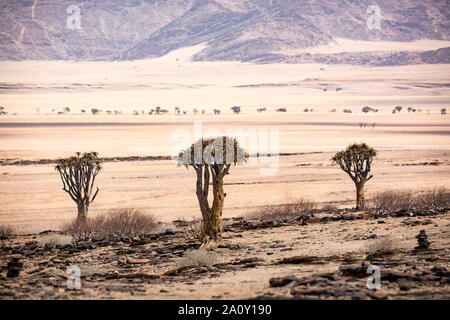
356,161
78,175
212,158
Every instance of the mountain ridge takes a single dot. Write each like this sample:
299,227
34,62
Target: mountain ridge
246,30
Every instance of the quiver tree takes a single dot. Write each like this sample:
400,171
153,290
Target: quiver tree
356,161
78,177
212,159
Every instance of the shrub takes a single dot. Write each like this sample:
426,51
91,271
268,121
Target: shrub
386,244
6,232
330,207
436,199
390,201
115,223
294,209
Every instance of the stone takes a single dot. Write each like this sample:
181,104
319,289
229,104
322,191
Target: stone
359,295
137,261
300,260
14,267
404,284
281,282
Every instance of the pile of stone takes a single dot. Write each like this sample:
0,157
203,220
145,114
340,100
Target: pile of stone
14,267
422,241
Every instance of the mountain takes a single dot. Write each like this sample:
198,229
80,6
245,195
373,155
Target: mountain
244,30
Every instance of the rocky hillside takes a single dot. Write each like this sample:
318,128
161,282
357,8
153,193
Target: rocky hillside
245,30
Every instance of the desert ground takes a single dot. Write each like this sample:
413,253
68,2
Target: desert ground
413,154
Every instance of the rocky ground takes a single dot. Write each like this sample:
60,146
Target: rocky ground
324,256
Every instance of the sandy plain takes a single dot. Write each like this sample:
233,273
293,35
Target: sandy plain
413,147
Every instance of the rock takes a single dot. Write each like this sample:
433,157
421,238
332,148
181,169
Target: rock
137,261
354,270
283,281
404,284
300,260
14,267
359,295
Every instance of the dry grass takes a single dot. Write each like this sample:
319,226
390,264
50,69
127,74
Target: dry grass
192,229
55,239
295,209
391,201
6,231
115,223
199,258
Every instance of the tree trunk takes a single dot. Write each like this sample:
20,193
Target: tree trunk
360,199
212,217
83,209
212,228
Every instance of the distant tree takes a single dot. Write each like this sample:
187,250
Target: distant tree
177,110
212,159
305,110
393,111
410,109
195,111
66,110
94,111
367,109
108,112
443,111
347,111
398,108
281,110
217,111
78,175
203,111
260,110
2,111
333,110
83,111
356,161
236,109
